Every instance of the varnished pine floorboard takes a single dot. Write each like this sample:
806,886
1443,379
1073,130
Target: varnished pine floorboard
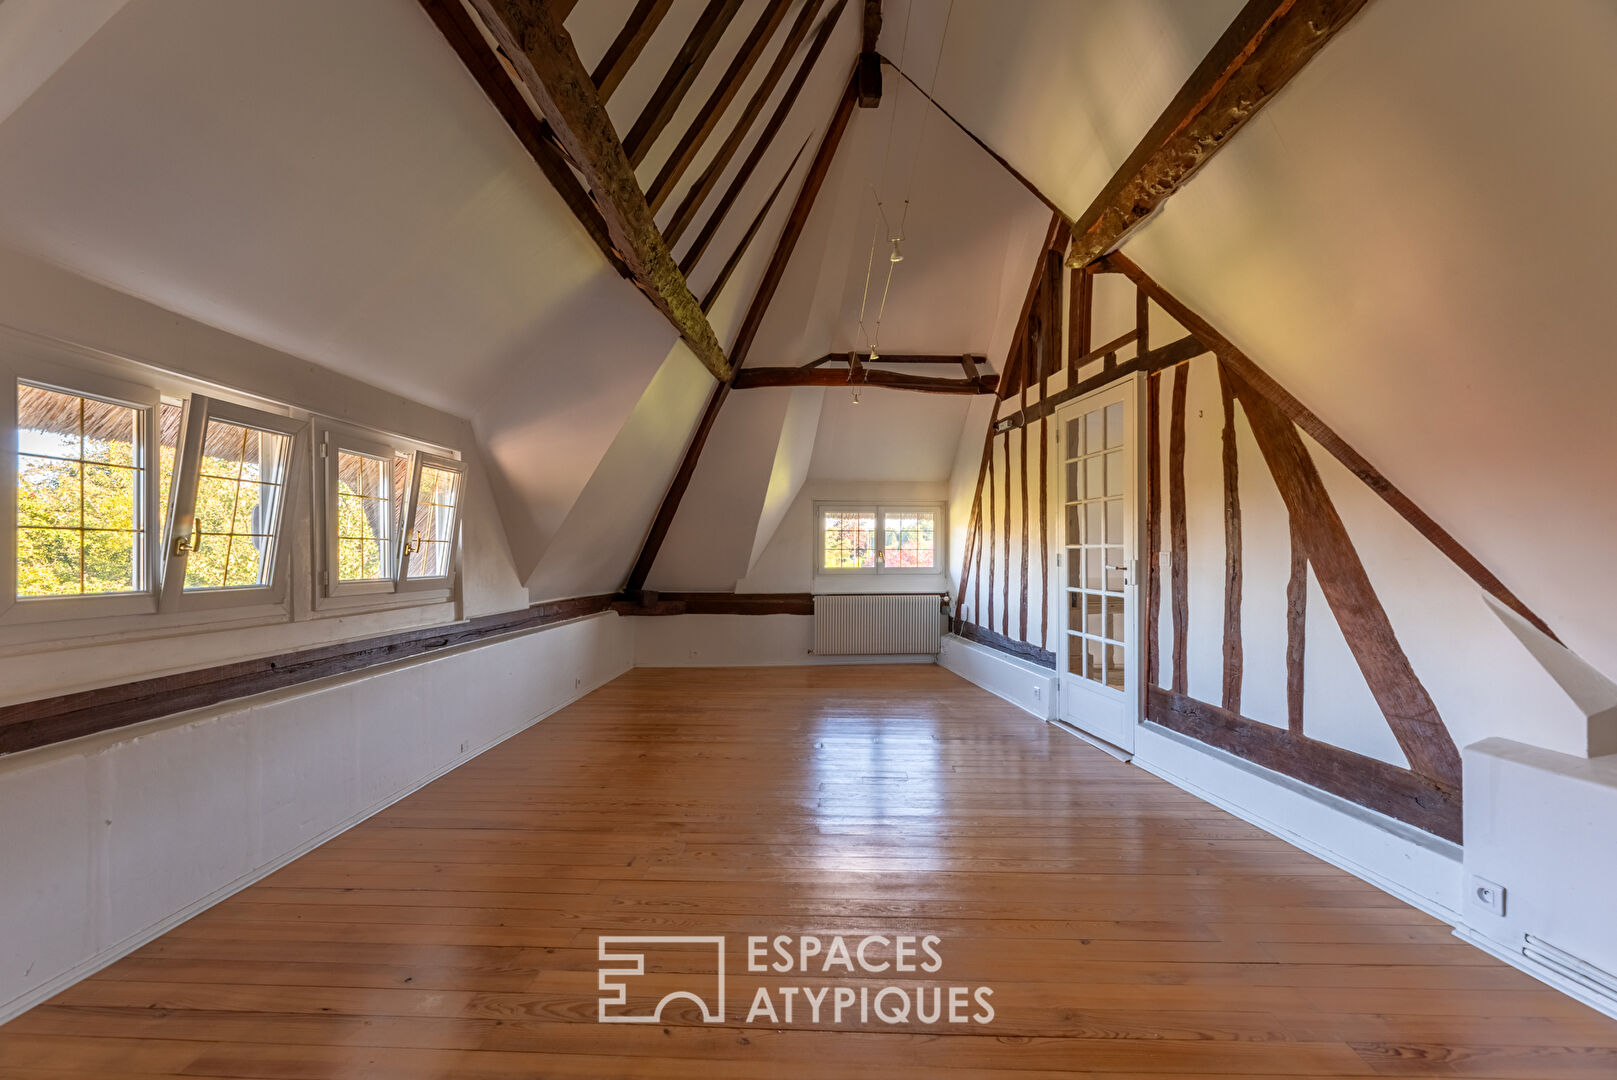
1127,929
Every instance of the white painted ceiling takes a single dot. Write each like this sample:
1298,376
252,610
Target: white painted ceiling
1411,237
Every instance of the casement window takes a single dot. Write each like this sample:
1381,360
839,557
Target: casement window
128,495
875,539
230,492
389,514
124,499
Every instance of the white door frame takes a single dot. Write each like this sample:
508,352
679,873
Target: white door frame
1098,711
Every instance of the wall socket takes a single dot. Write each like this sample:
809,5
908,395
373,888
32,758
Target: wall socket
1038,691
1488,894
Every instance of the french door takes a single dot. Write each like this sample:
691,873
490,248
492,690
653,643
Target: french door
1098,448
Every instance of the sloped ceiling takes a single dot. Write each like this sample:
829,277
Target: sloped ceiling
1410,237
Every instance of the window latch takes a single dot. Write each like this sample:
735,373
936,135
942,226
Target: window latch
190,542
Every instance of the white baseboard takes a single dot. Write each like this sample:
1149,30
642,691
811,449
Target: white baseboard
1599,1002
113,953
1024,684
1420,869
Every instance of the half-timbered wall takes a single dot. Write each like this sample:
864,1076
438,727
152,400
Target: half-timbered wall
1359,666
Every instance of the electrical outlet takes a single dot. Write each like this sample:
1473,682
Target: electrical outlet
577,682
1038,691
1488,894
693,654
463,747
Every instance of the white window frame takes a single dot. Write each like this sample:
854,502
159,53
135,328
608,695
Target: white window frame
881,510
421,460
395,590
199,409
38,363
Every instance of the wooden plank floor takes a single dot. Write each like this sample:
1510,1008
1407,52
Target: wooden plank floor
1125,928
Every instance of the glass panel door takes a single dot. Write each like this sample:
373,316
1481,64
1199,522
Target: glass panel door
1098,468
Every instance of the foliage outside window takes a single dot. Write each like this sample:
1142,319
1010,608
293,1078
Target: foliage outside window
878,539
81,529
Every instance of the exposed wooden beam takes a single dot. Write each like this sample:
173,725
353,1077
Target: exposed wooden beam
28,725
1055,239
765,138
1409,709
982,635
856,367
730,264
754,377
543,57
968,363
676,82
627,46
1328,439
1368,781
1267,44
953,360
655,604
869,60
1234,656
1170,355
773,273
751,51
699,191
460,29
1178,535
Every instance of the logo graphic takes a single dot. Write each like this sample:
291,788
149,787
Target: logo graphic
631,952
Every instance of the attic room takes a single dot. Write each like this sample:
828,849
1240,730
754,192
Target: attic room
803,538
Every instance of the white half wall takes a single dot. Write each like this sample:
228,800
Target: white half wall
1020,682
113,839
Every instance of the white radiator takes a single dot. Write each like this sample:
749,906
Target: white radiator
878,624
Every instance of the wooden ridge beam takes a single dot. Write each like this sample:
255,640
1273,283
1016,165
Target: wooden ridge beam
761,299
676,82
1265,46
1328,439
766,138
542,56
712,111
754,377
627,46
662,187
869,59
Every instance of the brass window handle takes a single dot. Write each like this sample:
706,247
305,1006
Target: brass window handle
191,542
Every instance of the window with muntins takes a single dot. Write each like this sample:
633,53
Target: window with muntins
878,539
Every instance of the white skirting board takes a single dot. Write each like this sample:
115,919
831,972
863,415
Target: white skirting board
1420,869
738,641
1020,682
113,839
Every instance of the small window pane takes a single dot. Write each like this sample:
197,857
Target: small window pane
1092,614
1093,513
1092,655
908,541
1114,618
241,477
431,534
1114,426
1092,568
1075,489
1075,569
1114,474
1114,569
1075,437
168,443
1075,654
1114,666
365,517
1074,525
1094,432
850,540
1114,521
80,495
1094,482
